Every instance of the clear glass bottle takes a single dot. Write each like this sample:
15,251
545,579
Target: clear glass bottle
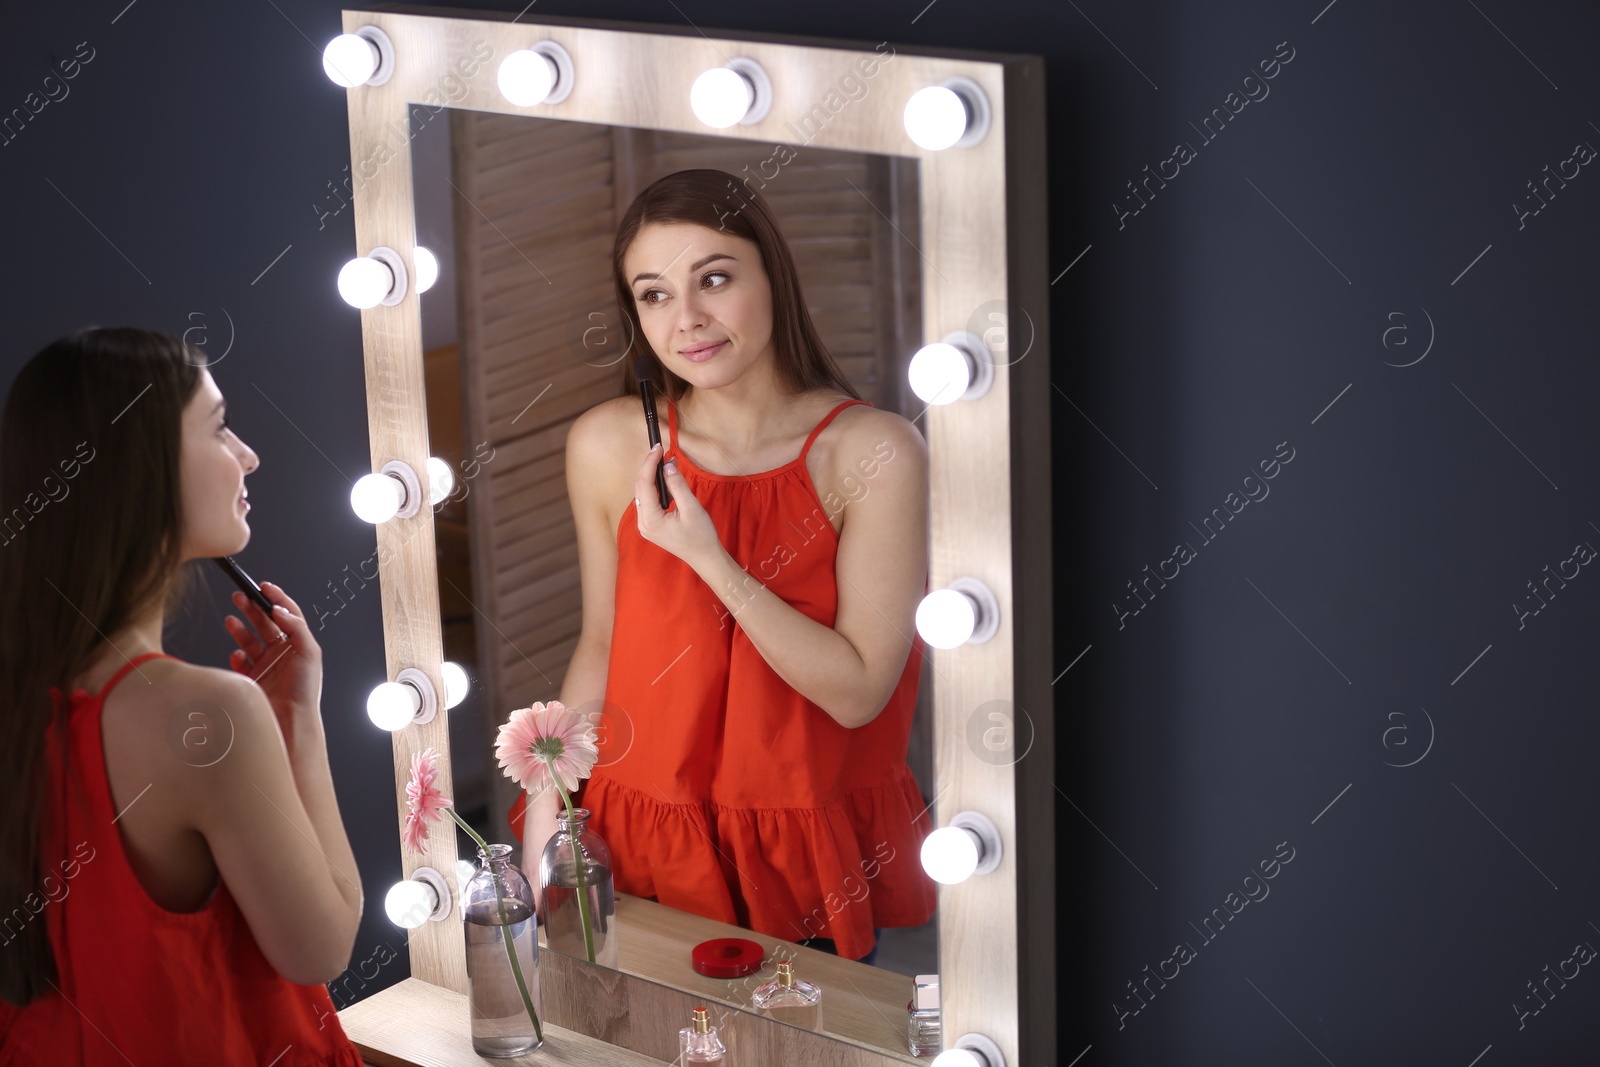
500,1023
922,1029
558,881
698,1042
789,1000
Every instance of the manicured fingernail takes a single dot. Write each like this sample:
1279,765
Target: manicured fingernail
280,609
672,468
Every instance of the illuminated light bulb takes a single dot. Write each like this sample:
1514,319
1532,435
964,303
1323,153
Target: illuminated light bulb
721,97
393,705
950,855
971,1050
941,116
350,60
456,684
527,77
377,497
409,903
959,1057
441,480
935,118
965,611
969,845
940,373
427,268
946,618
364,282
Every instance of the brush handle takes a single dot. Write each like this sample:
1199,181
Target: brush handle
654,428
246,583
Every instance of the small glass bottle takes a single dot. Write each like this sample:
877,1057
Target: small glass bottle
497,907
922,1031
698,1042
789,1000
558,881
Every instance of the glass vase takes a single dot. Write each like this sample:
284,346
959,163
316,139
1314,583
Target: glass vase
563,891
500,1023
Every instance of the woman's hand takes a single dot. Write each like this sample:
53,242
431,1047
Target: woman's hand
288,670
686,531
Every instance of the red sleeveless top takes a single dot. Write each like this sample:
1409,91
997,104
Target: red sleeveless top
137,983
720,789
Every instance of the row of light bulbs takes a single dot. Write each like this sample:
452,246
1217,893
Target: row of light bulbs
955,113
959,367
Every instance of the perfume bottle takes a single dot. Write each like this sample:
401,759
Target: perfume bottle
922,1031
789,1000
698,1042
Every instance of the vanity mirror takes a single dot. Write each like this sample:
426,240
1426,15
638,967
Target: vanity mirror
897,245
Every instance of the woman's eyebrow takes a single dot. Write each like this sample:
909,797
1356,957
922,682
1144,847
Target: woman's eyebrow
713,257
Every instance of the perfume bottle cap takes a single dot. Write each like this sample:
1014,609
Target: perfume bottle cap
701,1022
785,974
926,996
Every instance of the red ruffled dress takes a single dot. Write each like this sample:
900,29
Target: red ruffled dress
720,789
137,983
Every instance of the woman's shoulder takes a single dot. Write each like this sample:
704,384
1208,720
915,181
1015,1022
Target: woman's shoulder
860,430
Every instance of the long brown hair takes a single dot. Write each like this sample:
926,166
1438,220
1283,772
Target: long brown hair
720,201
91,520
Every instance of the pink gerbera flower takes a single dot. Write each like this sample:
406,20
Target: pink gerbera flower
424,801
544,738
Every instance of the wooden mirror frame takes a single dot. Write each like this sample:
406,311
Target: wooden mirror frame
983,233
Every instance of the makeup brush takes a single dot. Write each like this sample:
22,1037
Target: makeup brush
641,371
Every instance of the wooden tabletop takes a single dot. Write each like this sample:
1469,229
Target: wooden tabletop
860,1003
414,1024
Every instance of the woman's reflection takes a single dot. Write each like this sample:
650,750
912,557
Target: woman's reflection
753,644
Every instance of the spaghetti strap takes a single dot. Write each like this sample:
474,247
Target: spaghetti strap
824,424
130,665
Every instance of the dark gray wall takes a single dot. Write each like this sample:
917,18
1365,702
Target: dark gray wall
1359,615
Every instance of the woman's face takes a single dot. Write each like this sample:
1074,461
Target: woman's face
703,298
214,464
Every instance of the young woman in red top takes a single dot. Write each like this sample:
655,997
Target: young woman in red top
175,880
754,643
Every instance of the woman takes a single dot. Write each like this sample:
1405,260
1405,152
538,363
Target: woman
175,881
754,642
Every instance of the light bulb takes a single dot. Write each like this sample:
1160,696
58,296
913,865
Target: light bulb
427,268
721,97
350,60
455,683
393,705
364,282
409,903
377,497
940,373
947,618
935,118
526,77
950,854
441,480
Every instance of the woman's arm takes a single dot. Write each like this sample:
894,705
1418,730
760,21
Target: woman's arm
851,669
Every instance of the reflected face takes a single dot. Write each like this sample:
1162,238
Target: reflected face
214,463
703,299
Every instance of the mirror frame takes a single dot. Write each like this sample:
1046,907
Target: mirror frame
984,246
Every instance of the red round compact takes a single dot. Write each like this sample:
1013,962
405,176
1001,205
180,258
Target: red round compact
728,957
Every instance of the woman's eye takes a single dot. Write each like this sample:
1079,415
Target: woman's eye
644,298
226,425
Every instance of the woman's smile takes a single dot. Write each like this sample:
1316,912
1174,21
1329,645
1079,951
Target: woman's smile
702,352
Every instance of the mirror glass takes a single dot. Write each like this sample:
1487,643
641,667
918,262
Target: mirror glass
521,335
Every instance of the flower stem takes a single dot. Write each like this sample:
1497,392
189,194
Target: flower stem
577,862
505,925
